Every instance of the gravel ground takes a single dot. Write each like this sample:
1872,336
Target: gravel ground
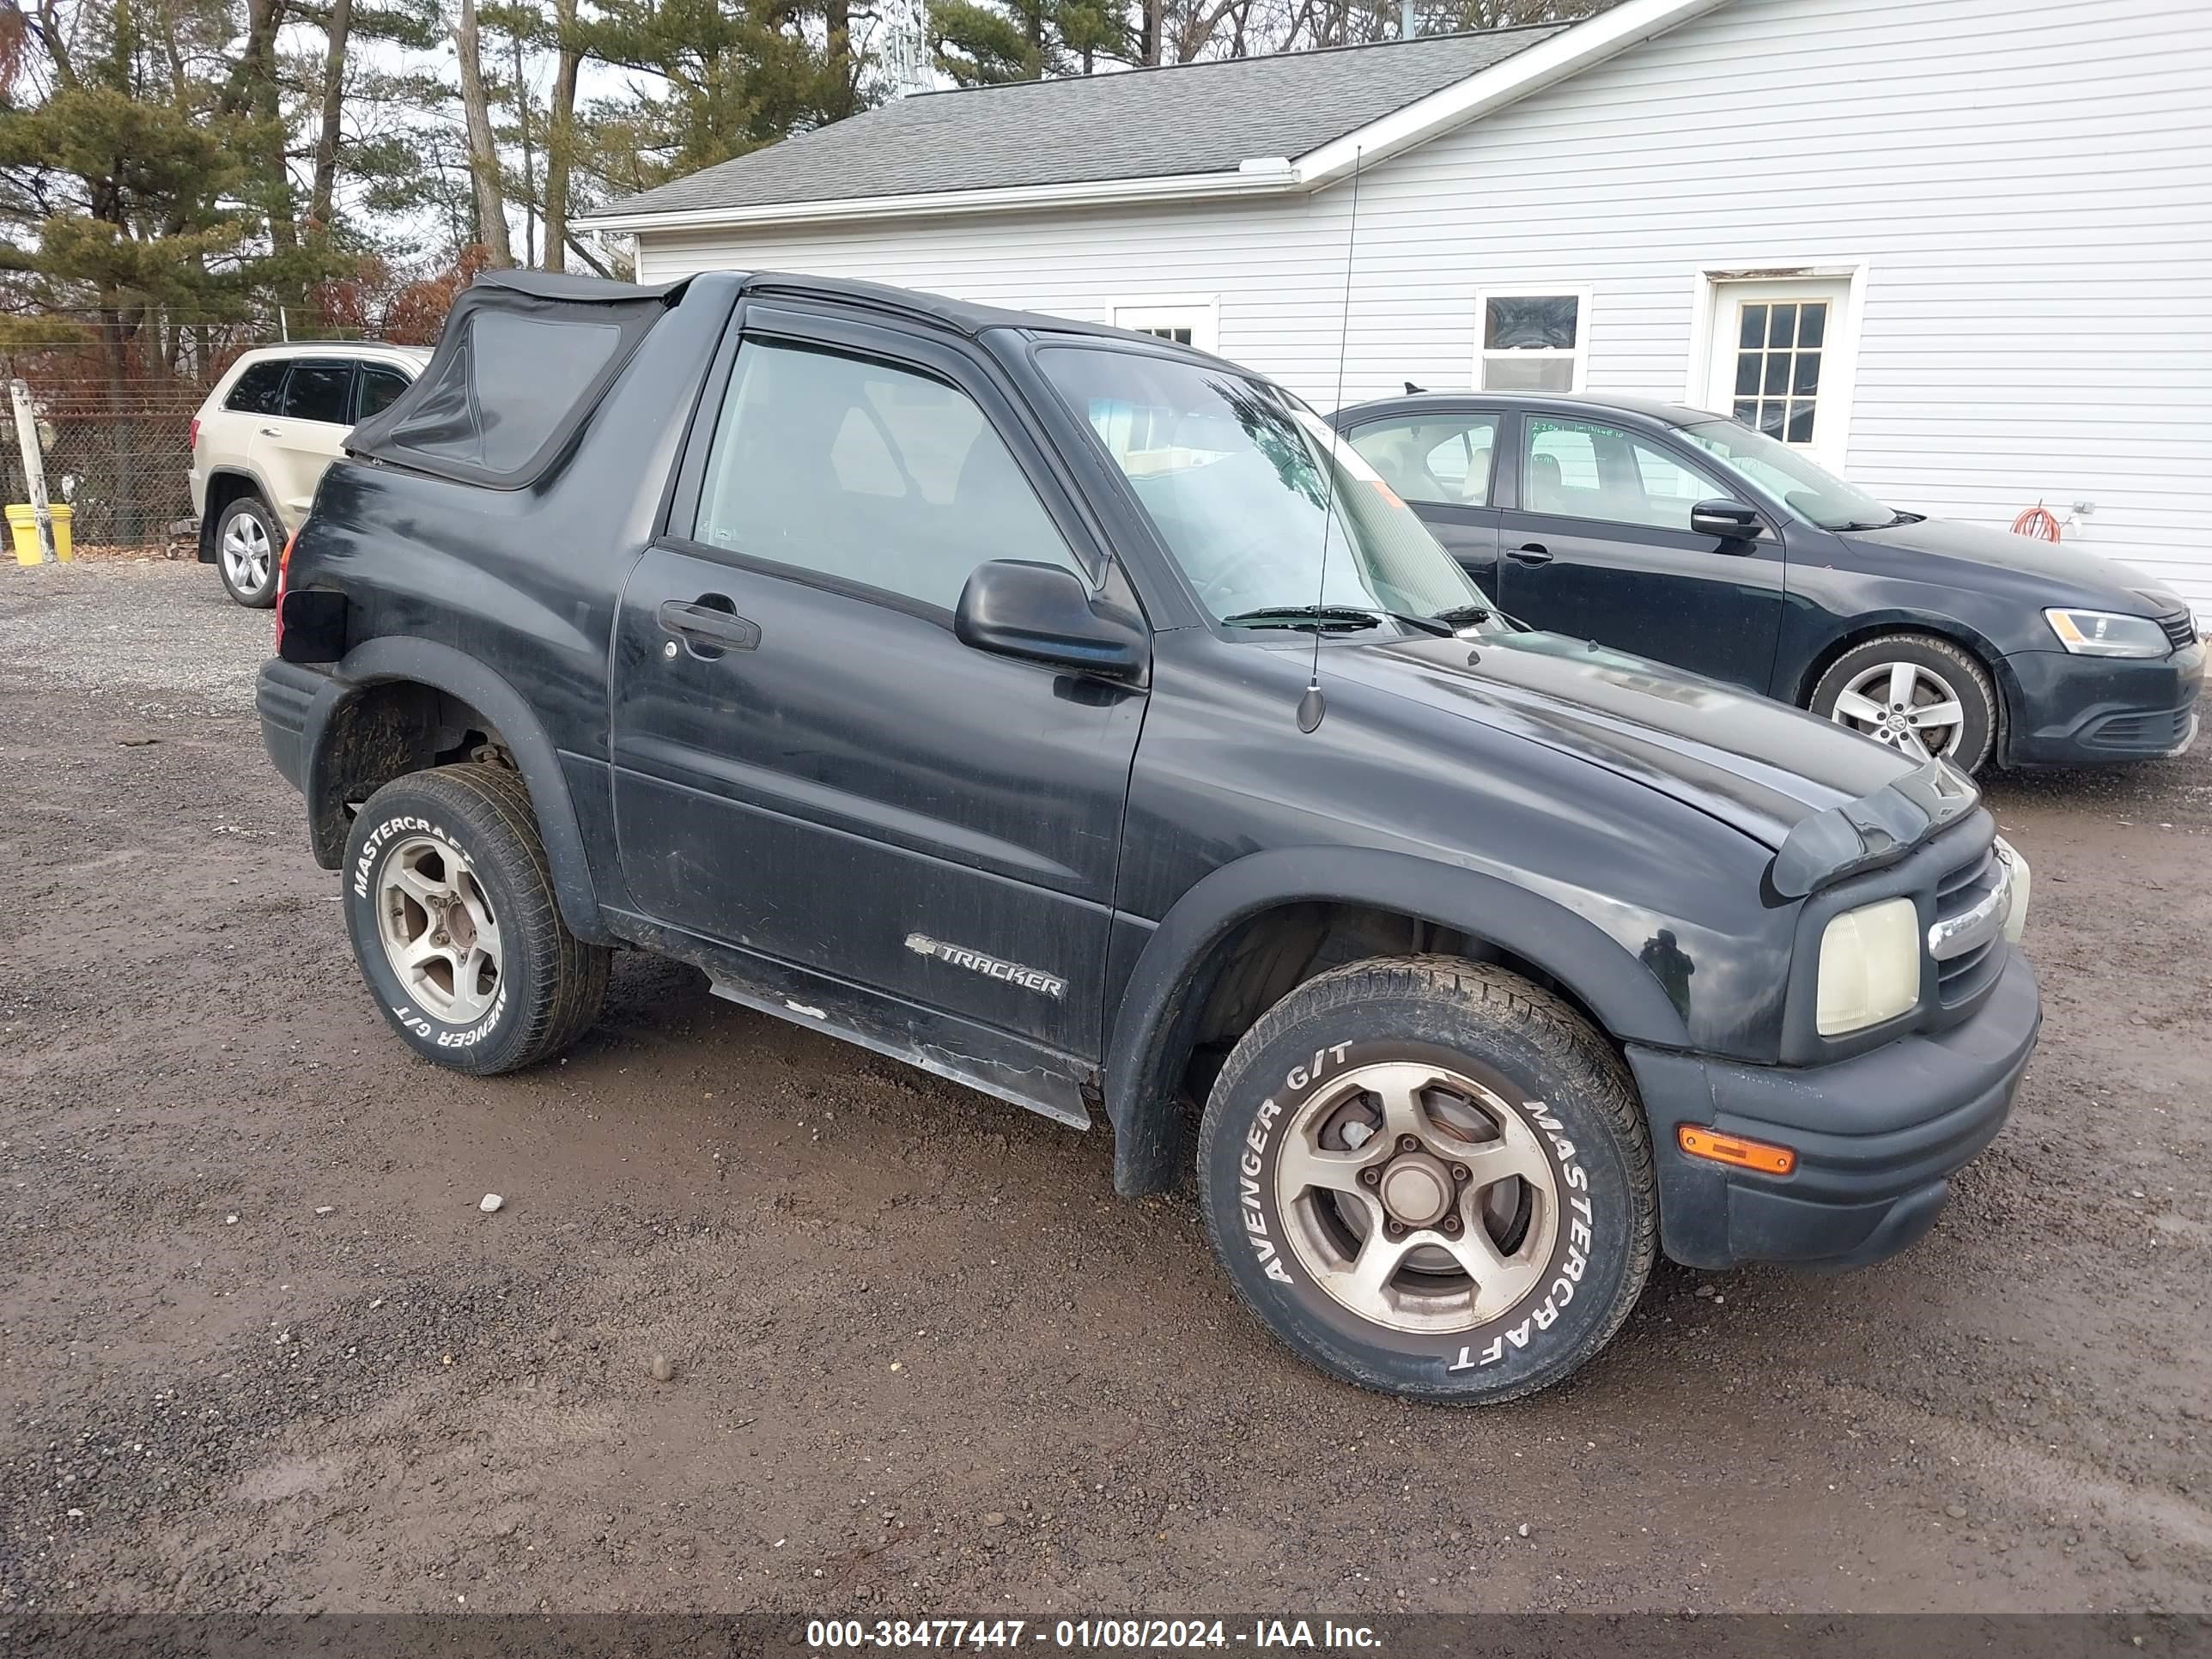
259,1348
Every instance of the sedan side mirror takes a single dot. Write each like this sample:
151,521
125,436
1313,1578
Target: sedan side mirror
1044,613
1733,521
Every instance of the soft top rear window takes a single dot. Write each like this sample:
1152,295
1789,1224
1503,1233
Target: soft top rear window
523,358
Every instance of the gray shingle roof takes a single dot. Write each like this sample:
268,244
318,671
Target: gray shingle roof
1195,118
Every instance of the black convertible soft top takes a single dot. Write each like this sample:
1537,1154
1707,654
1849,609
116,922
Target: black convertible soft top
523,359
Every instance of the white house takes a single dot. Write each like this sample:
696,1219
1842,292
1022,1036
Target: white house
1993,219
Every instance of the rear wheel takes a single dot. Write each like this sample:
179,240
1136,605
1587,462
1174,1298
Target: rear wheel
246,544
449,901
1921,696
1430,1177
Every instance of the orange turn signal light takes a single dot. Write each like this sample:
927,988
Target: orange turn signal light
1734,1149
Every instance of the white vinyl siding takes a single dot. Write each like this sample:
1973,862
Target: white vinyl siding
2024,185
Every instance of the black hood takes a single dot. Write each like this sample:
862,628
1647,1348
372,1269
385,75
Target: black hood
2090,577
1760,766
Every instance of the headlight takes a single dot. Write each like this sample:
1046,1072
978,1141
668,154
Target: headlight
1869,966
2103,633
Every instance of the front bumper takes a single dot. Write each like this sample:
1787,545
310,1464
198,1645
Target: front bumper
1877,1138
2087,711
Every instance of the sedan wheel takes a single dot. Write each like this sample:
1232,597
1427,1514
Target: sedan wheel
1905,705
1923,697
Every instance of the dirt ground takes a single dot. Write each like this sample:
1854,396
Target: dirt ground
259,1349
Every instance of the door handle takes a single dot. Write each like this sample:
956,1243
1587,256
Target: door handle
708,621
272,431
1531,553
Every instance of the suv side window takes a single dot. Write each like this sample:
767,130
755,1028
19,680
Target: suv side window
319,390
375,389
1443,458
259,390
866,473
1586,470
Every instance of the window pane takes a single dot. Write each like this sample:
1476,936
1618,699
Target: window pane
1777,373
319,392
1438,459
1257,501
1812,322
1747,410
1772,415
1559,469
1754,333
1528,374
1807,381
377,389
259,390
866,473
1585,470
1800,422
1746,374
1519,323
1783,326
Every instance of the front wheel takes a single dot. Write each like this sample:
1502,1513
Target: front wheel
1921,696
1427,1176
449,901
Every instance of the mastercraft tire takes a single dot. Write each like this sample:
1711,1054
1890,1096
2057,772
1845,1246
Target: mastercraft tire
449,902
1429,1178
1919,695
248,543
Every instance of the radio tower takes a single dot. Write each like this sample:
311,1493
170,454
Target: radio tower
906,60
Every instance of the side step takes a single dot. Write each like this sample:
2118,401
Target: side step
998,1063
1056,1094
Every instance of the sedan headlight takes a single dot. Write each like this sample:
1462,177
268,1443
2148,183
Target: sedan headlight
2104,634
1869,966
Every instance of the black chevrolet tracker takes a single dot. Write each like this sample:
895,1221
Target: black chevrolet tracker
1071,715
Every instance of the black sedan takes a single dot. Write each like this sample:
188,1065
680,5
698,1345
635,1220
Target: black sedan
1695,540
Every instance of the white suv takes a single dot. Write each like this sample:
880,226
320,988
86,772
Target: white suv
263,439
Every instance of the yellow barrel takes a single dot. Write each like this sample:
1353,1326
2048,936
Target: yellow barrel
23,530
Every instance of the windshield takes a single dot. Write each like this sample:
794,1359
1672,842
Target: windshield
1810,491
1240,478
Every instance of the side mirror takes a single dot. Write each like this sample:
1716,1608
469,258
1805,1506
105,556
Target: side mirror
1043,613
1733,521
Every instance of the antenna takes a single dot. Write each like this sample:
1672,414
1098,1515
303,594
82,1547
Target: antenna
1312,705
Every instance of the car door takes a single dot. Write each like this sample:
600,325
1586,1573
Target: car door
1442,462
809,765
1599,546
292,449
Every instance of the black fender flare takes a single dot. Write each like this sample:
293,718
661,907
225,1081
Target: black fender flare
1160,1006
398,657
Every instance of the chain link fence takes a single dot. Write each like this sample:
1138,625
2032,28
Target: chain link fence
122,476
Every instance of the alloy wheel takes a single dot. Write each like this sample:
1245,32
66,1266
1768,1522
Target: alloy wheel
1907,706
1418,1197
245,553
439,933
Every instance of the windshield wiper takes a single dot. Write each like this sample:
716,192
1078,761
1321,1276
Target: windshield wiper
1305,616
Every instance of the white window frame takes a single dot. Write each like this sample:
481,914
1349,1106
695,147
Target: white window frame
1840,370
1578,291
1198,313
